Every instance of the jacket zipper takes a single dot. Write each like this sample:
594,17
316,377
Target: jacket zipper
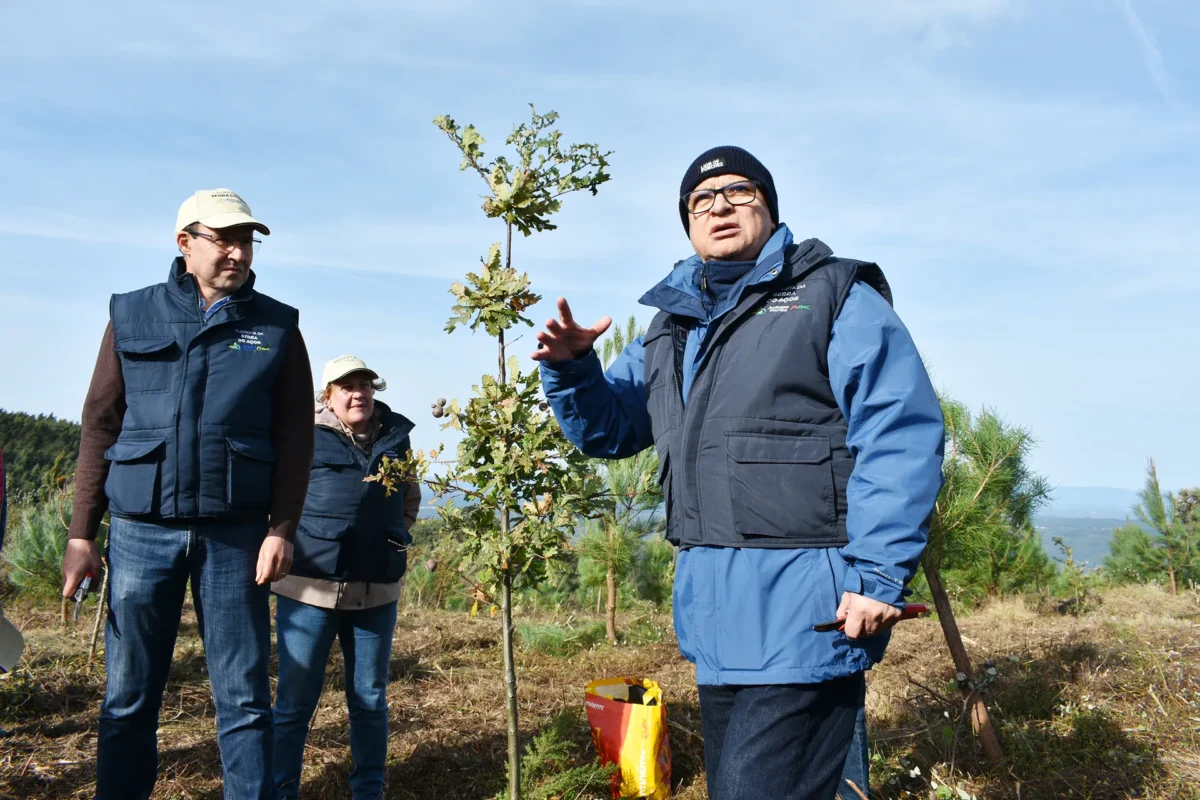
204,326
837,599
728,322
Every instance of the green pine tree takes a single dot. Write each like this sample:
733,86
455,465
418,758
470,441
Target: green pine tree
1133,557
988,499
629,512
1171,541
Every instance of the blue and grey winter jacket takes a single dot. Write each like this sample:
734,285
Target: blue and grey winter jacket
764,561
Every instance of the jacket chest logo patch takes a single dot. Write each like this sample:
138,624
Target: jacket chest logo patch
252,340
783,301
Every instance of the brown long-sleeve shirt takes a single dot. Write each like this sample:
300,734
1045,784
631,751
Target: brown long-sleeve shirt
291,432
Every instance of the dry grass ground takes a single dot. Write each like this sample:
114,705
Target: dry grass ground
1100,706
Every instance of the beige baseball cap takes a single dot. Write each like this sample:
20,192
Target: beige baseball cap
342,366
217,208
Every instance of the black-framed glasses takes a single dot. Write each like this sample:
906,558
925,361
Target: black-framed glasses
739,193
227,243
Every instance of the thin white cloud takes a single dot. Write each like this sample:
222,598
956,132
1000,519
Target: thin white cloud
45,224
1150,52
942,24
918,13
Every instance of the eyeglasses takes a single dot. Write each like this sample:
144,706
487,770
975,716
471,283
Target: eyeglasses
227,243
736,194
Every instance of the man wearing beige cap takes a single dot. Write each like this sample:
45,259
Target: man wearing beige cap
197,437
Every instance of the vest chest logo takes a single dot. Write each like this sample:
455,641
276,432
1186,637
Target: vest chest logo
251,340
783,301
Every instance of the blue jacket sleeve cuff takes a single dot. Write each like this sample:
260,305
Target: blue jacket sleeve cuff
572,366
875,585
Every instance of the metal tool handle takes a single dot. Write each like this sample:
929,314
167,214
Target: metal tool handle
85,587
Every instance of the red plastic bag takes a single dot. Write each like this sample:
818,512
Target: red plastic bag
629,728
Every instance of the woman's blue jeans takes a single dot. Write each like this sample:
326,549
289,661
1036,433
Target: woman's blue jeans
304,635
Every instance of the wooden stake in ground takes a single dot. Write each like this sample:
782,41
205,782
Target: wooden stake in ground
101,602
980,722
610,610
986,503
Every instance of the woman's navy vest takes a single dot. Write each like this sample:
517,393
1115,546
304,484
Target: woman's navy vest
196,438
352,530
758,456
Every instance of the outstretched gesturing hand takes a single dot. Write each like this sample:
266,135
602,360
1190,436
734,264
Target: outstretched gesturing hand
565,339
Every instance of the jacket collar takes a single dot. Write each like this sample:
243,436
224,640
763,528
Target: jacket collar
181,284
392,426
779,259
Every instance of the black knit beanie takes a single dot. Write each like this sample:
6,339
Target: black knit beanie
727,160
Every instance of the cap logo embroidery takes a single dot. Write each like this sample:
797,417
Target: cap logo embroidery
226,197
707,165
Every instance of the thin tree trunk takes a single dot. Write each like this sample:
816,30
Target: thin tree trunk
599,598
510,668
510,686
1174,588
980,722
610,616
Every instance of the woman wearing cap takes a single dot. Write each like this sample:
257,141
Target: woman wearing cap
349,558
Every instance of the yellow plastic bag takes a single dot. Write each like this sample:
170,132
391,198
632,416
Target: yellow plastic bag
629,728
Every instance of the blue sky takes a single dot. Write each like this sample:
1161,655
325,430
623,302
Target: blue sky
1025,172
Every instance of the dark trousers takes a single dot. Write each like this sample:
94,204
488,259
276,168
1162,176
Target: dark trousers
783,742
858,760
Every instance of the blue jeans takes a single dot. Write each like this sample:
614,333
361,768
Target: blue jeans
304,635
785,742
150,566
858,760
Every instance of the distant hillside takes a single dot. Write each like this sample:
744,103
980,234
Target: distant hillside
1088,537
33,445
1097,502
1085,517
430,504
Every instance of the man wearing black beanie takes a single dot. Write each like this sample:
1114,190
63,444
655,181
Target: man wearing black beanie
800,444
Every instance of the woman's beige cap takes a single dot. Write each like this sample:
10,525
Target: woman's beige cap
217,208
342,366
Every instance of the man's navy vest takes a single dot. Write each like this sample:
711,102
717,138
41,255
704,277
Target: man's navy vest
199,395
352,530
758,456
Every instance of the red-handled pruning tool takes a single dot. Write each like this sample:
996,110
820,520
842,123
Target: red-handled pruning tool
911,611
